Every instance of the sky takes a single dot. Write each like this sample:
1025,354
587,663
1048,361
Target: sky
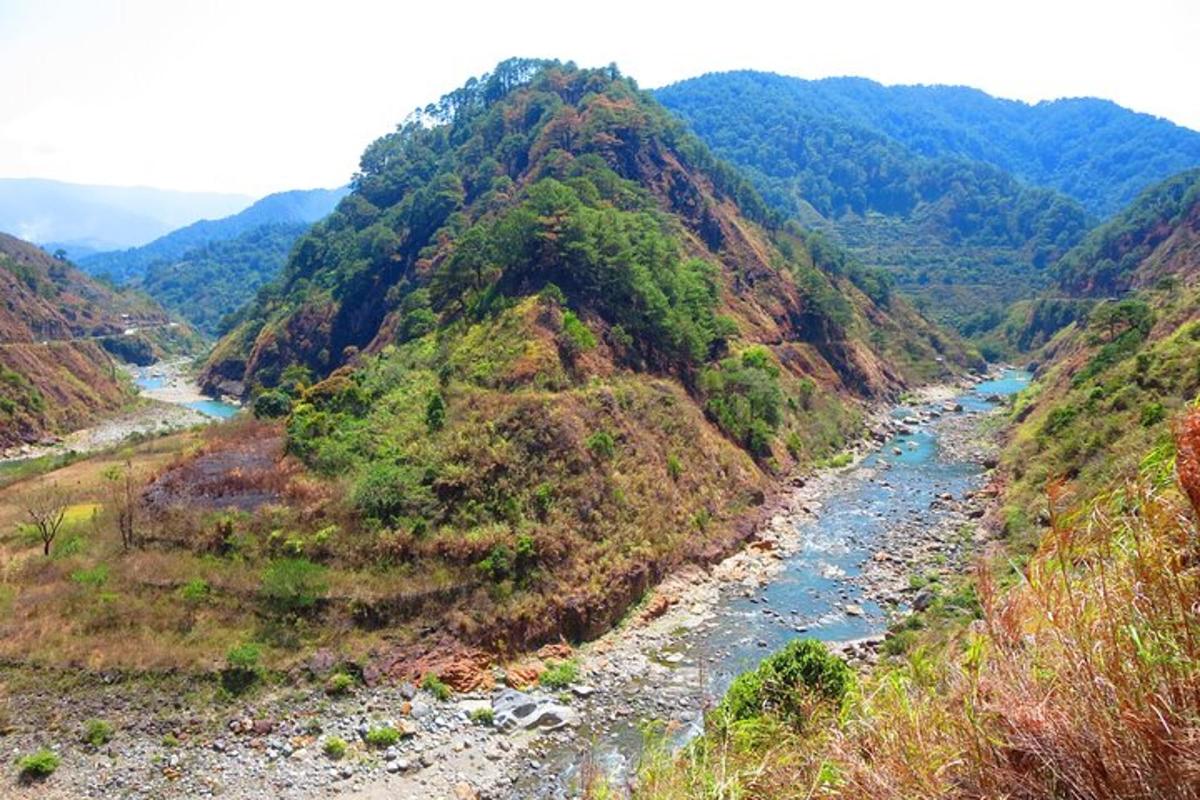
255,96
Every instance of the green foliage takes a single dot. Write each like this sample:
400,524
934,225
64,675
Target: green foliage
483,716
272,404
93,577
578,334
784,682
560,674
195,591
292,586
744,399
390,492
435,413
340,683
1152,414
433,684
334,747
242,668
39,765
97,732
602,444
382,736
674,467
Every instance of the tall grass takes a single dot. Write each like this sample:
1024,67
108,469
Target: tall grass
1082,681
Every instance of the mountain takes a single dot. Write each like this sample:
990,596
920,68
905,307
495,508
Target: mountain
83,219
545,346
293,209
965,198
1093,150
208,283
59,331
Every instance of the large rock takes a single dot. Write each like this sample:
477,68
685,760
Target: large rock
519,710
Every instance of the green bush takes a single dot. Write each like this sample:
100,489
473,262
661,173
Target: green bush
382,736
602,444
339,683
578,334
783,682
293,585
435,413
195,591
742,396
36,766
97,732
334,747
674,467
241,668
483,716
560,674
272,404
1152,414
433,684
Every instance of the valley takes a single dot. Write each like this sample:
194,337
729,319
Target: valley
746,437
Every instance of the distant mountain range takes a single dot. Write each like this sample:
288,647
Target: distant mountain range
966,198
85,219
300,207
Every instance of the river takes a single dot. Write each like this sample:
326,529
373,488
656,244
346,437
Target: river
821,591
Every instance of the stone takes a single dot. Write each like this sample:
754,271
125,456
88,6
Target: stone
924,599
407,690
513,709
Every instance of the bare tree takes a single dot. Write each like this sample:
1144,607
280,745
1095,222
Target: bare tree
124,495
47,507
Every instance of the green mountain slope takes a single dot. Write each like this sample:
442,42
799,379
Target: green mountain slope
963,236
548,347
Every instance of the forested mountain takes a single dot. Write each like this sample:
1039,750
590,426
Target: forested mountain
1093,150
545,315
211,281
1157,236
84,219
292,209
59,332
964,197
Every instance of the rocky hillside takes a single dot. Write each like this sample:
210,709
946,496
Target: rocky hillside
61,334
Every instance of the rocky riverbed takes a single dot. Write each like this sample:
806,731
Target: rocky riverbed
833,560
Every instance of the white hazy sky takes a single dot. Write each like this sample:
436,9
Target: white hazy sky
255,96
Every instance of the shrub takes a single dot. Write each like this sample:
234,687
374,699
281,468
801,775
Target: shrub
560,675
93,578
293,585
195,591
674,467
241,668
784,683
601,444
433,684
339,683
334,747
742,396
97,732
272,404
578,335
36,766
382,736
170,740
435,413
1152,414
483,716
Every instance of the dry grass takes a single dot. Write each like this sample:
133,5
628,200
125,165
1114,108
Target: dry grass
1080,682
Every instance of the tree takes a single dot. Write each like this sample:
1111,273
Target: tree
47,507
1116,318
124,500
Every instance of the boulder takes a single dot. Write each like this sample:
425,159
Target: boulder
515,710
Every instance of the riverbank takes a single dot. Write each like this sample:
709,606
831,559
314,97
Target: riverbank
668,661
169,400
